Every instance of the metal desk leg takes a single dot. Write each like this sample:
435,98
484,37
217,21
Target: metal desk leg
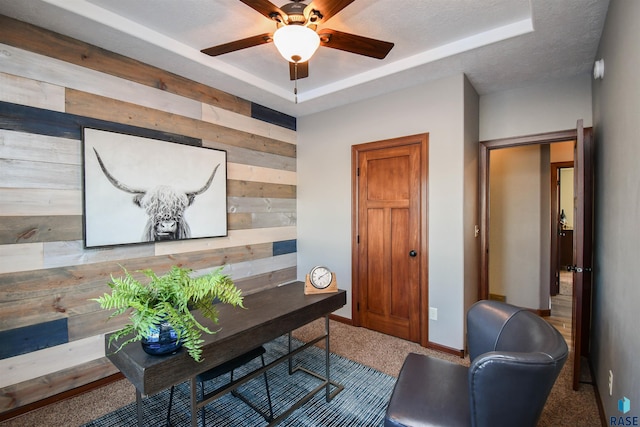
194,402
327,363
139,407
291,357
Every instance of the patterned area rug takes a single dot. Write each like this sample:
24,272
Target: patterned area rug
362,403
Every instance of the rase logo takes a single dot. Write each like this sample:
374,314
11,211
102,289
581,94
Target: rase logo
624,406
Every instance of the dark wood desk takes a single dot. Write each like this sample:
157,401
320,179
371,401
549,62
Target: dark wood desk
268,315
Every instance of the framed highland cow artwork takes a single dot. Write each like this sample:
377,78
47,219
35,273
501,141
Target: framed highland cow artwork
139,189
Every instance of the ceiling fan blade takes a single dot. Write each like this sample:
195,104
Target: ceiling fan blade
303,70
265,7
239,44
328,8
354,44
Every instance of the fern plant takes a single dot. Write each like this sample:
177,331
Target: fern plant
170,298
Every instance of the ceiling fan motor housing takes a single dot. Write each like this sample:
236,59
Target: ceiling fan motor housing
295,12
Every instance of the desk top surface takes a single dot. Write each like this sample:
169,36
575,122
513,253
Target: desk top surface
267,315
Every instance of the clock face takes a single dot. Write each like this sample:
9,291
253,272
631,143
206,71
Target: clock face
320,277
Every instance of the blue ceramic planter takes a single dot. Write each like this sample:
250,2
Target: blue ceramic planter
162,339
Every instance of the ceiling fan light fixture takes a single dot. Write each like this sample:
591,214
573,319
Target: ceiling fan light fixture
296,43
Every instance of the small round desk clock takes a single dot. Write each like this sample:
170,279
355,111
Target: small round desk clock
320,277
320,280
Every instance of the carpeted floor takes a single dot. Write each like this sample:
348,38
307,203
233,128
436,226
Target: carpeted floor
384,353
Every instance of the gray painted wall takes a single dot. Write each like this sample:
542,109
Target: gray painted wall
324,188
519,244
616,106
551,106
448,109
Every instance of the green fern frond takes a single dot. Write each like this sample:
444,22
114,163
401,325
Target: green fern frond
170,298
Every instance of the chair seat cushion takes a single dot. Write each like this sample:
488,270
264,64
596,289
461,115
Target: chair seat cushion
232,364
429,392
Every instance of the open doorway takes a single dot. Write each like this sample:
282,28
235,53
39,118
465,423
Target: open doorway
583,228
520,224
531,223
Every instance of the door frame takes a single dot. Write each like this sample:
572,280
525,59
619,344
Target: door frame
423,140
581,298
485,148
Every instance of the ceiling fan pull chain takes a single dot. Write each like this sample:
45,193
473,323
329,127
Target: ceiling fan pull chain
295,81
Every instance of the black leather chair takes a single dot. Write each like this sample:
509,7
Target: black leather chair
516,357
229,367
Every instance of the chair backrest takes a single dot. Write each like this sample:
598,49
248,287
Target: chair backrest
516,357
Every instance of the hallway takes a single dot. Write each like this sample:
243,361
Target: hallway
561,306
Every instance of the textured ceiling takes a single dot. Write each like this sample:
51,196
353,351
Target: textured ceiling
498,44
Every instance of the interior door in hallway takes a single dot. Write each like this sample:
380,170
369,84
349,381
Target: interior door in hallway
389,250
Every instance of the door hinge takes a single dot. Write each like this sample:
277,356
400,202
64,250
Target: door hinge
358,306
358,172
358,239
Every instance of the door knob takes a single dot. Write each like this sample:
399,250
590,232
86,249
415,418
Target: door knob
413,253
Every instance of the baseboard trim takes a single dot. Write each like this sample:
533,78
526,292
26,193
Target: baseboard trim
430,345
445,349
341,319
539,311
60,396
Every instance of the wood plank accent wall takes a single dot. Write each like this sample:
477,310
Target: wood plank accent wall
50,87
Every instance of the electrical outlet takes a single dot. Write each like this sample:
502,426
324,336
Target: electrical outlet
610,382
433,313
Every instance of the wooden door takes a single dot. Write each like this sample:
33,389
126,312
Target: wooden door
389,239
582,248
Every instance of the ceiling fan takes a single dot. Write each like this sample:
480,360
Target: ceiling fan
301,20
